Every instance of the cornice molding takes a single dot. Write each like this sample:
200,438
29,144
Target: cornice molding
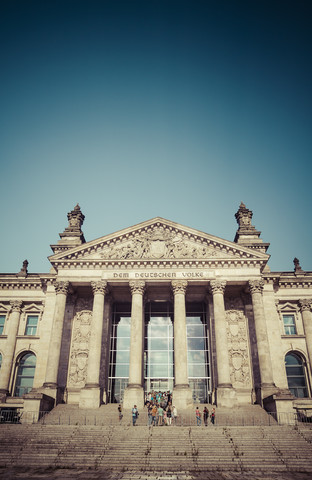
284,281
168,264
8,282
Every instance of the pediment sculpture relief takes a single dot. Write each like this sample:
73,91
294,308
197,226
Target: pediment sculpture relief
160,243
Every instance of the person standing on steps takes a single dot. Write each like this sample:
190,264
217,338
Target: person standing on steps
206,415
135,414
212,416
198,417
120,415
175,414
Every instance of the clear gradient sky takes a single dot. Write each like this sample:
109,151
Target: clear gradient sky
136,109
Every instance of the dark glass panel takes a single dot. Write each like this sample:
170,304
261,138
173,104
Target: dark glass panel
292,359
195,331
196,370
193,321
123,343
296,381
158,371
122,370
196,343
122,356
196,356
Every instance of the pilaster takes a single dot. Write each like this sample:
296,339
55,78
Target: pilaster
305,308
7,363
265,365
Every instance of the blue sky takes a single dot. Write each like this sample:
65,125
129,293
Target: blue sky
179,109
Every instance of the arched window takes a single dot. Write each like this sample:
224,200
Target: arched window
295,371
26,367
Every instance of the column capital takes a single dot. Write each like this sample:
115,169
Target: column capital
305,304
256,286
179,286
137,286
16,305
217,286
99,287
61,287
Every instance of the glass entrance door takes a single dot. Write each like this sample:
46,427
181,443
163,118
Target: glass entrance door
158,351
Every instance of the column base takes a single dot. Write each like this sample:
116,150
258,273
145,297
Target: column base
90,397
226,396
133,395
182,397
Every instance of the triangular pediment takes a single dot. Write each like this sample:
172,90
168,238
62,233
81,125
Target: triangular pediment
158,240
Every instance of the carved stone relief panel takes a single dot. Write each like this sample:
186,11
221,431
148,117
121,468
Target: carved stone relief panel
159,242
79,351
238,349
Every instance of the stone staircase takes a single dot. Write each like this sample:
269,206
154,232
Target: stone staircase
123,447
248,415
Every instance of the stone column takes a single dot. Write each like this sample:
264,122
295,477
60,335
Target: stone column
90,395
8,357
305,308
263,347
226,395
61,289
182,393
134,393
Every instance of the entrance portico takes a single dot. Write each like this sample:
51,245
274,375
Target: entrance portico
171,324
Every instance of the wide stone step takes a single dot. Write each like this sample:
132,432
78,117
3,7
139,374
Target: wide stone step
186,448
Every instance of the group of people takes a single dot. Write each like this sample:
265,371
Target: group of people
161,412
198,415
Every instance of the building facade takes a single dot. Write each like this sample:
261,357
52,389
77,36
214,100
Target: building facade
157,306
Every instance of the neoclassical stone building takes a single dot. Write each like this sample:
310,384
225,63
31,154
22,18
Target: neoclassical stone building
157,306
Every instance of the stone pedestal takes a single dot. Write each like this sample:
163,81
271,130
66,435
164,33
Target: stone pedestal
90,397
280,405
36,405
133,395
226,397
182,397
